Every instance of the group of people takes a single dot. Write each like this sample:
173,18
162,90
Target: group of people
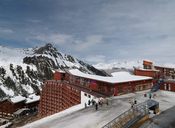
133,102
98,103
150,95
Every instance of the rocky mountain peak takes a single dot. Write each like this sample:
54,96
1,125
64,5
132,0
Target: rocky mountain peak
28,68
48,49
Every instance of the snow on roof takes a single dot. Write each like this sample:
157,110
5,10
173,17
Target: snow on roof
118,77
164,65
171,66
19,111
147,60
148,69
59,70
32,98
17,99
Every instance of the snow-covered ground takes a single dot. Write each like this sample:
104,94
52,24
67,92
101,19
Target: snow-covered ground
166,119
78,117
15,57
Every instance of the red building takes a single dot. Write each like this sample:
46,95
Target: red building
120,83
65,90
57,96
32,101
167,74
168,85
9,106
59,75
163,72
147,72
147,64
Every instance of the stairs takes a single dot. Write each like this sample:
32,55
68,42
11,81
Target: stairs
157,85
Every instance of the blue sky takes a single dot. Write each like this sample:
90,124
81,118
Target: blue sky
93,30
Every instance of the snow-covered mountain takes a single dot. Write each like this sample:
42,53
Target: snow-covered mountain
119,64
116,66
22,71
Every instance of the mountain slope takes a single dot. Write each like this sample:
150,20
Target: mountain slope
22,71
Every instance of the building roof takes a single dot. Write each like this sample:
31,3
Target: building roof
118,77
17,99
164,66
3,99
59,70
32,98
147,61
155,70
18,112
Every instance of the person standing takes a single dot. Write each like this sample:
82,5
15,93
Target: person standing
150,95
85,105
89,102
135,101
96,106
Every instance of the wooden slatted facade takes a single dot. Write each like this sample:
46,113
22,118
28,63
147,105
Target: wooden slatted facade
57,96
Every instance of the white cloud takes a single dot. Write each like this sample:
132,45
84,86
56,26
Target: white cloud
96,59
56,38
6,30
88,42
121,29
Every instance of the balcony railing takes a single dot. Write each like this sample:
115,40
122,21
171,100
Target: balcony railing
128,118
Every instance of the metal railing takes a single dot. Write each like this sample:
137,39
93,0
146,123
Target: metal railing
128,118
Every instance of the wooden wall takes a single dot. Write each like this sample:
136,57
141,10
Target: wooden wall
56,97
134,86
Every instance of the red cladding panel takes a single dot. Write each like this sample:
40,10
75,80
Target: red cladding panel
57,76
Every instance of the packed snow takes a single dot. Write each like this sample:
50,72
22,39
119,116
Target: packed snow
17,99
32,98
118,77
15,57
76,117
6,125
165,120
10,92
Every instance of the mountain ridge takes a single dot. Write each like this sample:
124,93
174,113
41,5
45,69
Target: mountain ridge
22,71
